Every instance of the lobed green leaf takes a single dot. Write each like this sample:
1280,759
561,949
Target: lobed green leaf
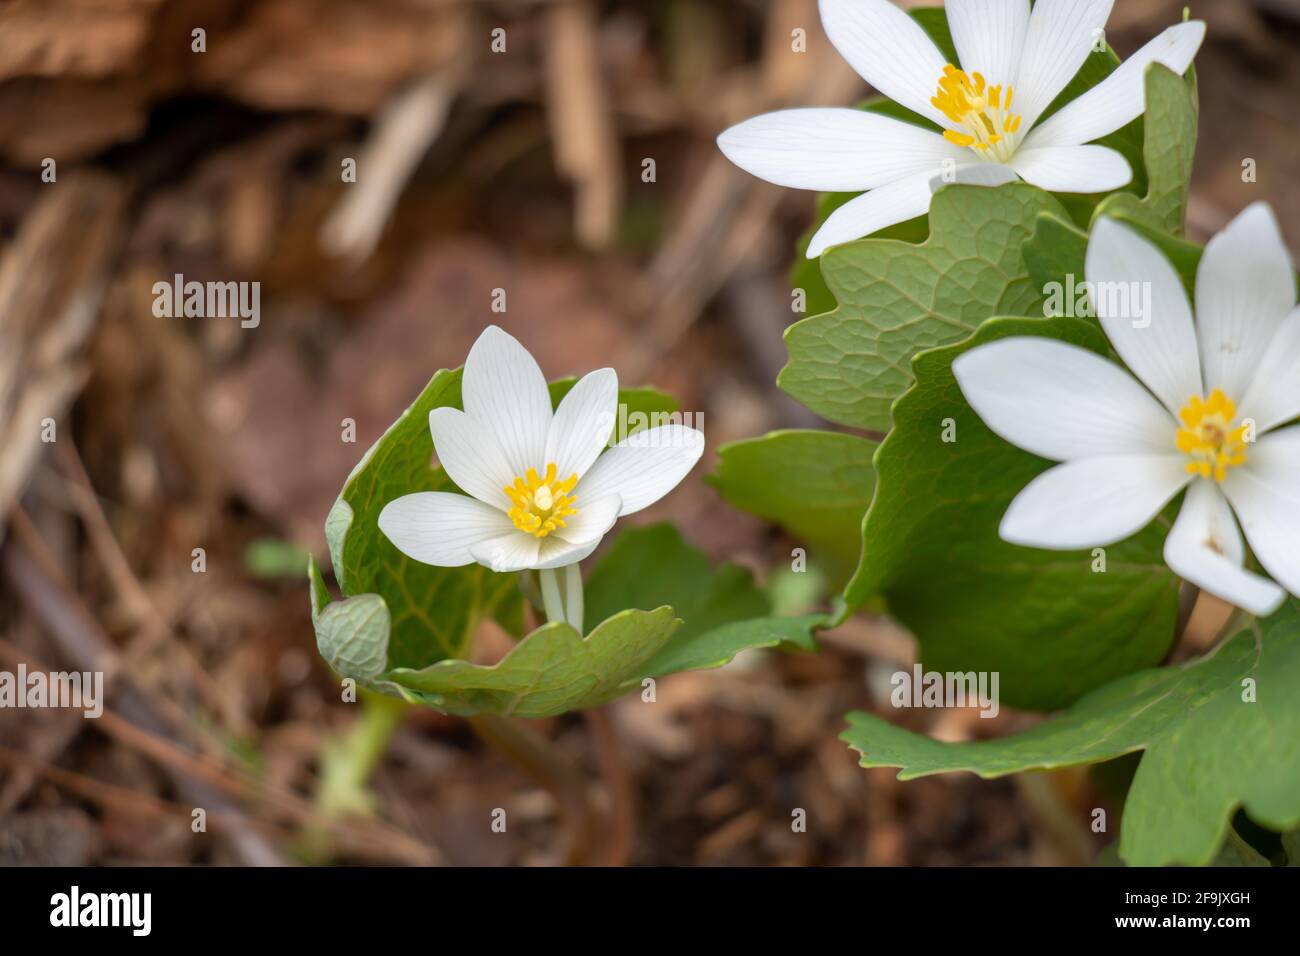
1218,733
1168,151
896,299
1051,625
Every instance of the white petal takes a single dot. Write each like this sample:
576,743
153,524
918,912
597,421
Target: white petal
469,453
515,551
834,150
504,390
1274,397
583,423
1265,494
1143,308
437,527
1245,286
989,36
643,467
1072,169
975,174
1060,37
1121,97
1205,548
872,211
1093,501
582,534
888,49
1061,401
595,516
558,553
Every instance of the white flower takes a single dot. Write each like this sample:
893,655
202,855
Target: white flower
543,492
1013,65
1215,393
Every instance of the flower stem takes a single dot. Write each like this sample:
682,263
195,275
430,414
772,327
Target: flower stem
348,760
617,842
573,595
551,595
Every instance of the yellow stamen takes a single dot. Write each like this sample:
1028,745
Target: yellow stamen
1208,438
980,113
541,503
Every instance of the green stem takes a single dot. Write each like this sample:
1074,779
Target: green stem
531,751
551,595
573,595
348,761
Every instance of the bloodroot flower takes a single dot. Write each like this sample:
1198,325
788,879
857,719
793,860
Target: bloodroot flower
1201,410
1014,63
542,487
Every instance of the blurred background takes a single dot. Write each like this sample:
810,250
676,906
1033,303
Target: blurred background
561,150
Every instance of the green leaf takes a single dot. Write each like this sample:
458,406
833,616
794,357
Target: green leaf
552,670
1170,147
720,645
897,298
806,274
723,612
814,484
1058,248
1237,852
1045,620
1234,852
433,610
1209,748
652,566
1054,254
1058,251
351,635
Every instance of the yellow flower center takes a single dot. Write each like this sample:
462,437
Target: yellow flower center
986,123
1208,436
541,503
